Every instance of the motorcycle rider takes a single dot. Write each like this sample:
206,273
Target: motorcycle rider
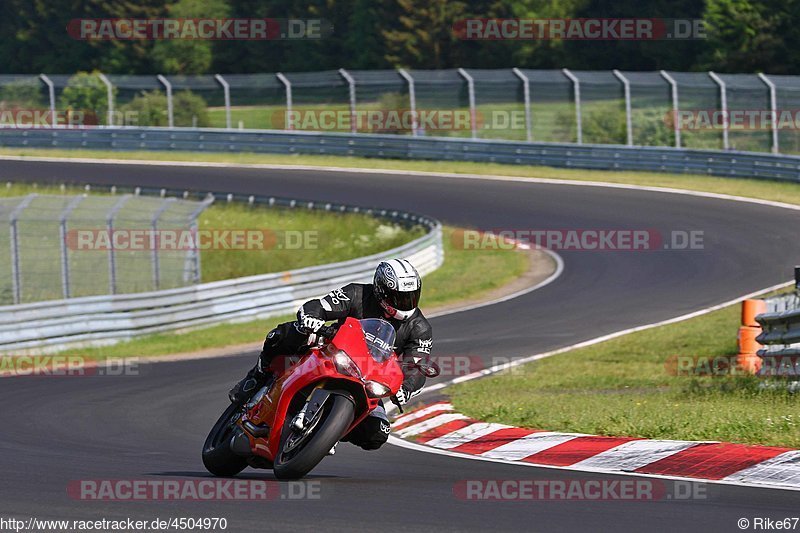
393,295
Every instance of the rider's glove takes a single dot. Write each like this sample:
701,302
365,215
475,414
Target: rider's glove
310,324
404,394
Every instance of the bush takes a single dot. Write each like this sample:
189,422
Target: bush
22,93
604,123
150,109
87,93
188,105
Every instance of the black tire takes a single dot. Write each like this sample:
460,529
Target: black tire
336,416
217,455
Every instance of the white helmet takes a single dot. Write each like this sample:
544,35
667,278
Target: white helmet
398,286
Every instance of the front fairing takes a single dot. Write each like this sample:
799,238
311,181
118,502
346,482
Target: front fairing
350,338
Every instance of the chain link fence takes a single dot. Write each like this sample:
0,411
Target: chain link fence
703,110
62,246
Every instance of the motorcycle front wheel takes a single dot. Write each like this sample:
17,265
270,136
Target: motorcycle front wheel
217,455
301,451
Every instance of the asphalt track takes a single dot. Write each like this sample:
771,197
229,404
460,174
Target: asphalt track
152,426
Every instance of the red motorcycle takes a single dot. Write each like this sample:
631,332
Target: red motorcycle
292,423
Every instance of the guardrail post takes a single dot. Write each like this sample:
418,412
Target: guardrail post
675,106
773,105
112,262
51,89
154,257
626,86
576,87
473,113
16,282
288,86
62,233
723,102
526,95
412,100
351,83
168,87
226,89
109,97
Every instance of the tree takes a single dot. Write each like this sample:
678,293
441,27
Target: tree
188,56
750,36
423,35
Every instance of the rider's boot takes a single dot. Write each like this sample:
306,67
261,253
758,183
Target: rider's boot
247,387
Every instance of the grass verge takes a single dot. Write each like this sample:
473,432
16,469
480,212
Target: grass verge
628,387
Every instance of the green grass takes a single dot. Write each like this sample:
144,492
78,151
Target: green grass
625,387
464,274
767,190
302,238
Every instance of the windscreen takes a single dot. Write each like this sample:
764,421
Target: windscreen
380,337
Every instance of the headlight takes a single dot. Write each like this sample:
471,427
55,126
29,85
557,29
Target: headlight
345,365
377,390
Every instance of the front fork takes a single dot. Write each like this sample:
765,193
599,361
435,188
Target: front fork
311,407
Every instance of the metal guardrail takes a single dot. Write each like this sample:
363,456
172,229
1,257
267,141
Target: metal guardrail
593,157
780,325
45,326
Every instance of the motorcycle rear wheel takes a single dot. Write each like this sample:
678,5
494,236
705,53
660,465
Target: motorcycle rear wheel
300,453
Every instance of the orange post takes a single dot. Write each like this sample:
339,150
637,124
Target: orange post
751,308
748,346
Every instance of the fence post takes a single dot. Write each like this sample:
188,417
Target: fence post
773,105
16,282
112,263
226,89
51,89
412,100
109,96
626,86
288,85
62,233
351,83
675,106
723,101
576,84
526,95
154,258
473,113
195,258
168,87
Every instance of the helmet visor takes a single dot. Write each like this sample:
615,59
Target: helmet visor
404,301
